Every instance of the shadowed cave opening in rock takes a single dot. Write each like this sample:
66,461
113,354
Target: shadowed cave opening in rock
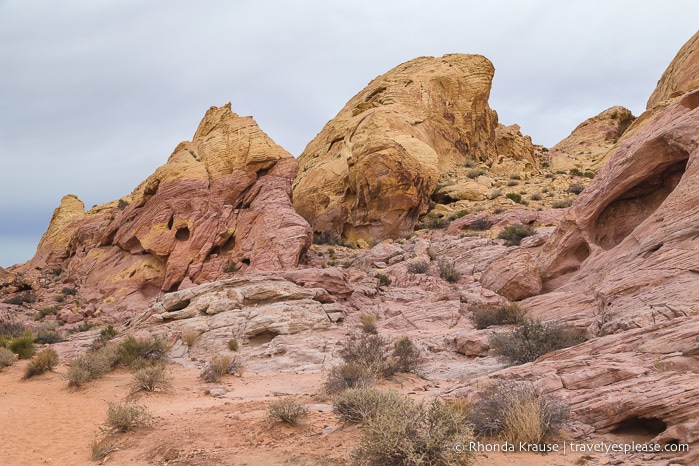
640,426
182,234
261,338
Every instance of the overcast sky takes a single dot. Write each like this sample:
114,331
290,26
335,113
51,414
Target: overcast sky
94,95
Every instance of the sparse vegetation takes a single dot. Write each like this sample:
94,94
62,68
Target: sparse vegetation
432,221
233,345
515,176
356,405
536,196
368,322
533,339
485,316
474,173
562,203
46,311
589,174
575,188
431,253
46,360
575,172
221,365
231,267
189,337
7,357
12,328
420,266
516,412
133,352
23,346
407,357
123,417
99,449
21,298
471,162
448,271
384,280
286,410
92,365
511,183
514,234
68,291
414,434
481,224
152,377
514,197
47,334
349,375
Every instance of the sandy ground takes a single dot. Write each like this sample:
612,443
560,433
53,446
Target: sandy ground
43,421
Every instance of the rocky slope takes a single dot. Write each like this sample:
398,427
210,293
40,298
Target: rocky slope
221,202
371,171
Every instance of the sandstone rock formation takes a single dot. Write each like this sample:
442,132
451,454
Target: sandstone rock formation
589,143
681,76
221,202
369,173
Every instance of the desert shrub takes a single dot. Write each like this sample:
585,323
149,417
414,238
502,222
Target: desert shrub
60,298
471,162
384,280
233,345
480,224
349,375
407,357
536,196
46,311
474,173
562,203
151,377
7,357
12,328
370,351
122,417
485,316
515,176
231,267
532,339
99,449
575,172
516,412
514,234
324,237
420,266
494,194
431,253
368,322
21,298
47,334
23,346
449,272
460,213
92,365
221,365
355,405
106,334
69,291
46,360
515,197
414,434
286,410
589,174
511,183
189,337
432,222
133,351
575,188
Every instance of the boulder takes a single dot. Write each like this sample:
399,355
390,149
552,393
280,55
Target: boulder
513,276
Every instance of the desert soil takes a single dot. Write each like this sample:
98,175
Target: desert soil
43,421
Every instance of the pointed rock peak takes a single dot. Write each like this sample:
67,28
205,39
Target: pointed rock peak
682,75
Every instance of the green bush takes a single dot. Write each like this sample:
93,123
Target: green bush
69,291
133,351
413,434
233,345
12,328
533,339
123,417
355,405
384,280
7,357
474,173
511,183
485,316
536,196
286,410
232,267
589,174
46,360
92,365
575,188
516,412
47,334
562,203
575,172
433,221
23,346
106,334
515,176
480,224
514,234
449,272
406,356
420,266
152,377
46,311
515,197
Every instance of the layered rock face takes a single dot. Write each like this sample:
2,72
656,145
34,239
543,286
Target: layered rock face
369,173
681,76
222,201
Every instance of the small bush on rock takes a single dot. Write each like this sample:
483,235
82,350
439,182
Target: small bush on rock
449,272
533,339
514,234
132,351
420,266
7,357
92,365
355,405
407,357
349,375
221,365
368,322
384,280
485,316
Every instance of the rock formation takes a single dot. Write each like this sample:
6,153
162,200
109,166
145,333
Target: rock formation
370,172
221,202
681,76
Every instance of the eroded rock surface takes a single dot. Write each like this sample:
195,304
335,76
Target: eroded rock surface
221,203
